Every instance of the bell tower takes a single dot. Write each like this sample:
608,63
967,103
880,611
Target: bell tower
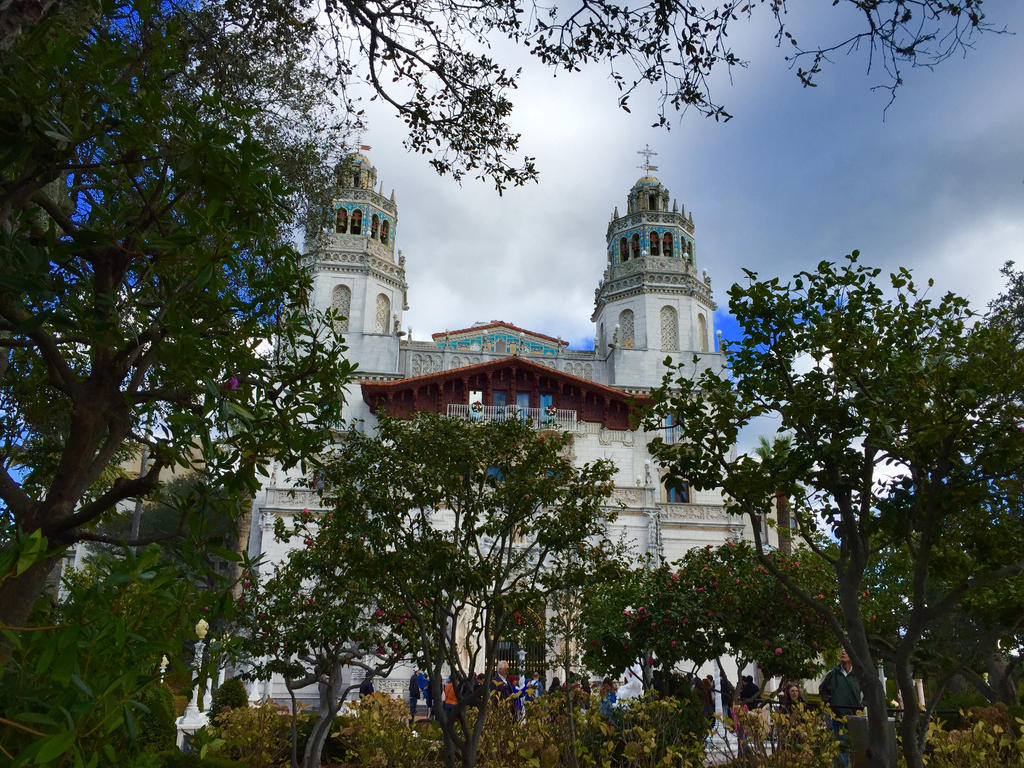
357,270
651,303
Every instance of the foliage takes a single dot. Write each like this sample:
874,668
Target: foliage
773,739
314,614
905,448
175,758
712,602
83,684
434,63
255,736
377,733
652,732
156,728
986,741
230,695
147,262
463,527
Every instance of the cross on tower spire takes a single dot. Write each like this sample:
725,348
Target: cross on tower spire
647,152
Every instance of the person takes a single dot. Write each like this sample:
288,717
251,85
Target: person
414,694
427,694
700,685
840,691
450,697
501,688
728,691
366,687
750,692
607,697
534,688
791,699
556,684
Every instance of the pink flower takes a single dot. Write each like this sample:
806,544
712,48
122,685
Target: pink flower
778,651
232,383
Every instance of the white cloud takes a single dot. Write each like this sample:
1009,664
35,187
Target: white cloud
797,176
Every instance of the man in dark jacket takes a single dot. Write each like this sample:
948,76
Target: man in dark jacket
414,694
366,688
840,690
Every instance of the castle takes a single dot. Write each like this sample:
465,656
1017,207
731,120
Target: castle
651,303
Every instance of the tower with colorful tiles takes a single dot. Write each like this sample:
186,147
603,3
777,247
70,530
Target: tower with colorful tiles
358,271
651,303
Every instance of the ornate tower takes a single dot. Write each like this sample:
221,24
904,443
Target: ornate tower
651,302
356,269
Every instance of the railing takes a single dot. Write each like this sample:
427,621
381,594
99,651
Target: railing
541,418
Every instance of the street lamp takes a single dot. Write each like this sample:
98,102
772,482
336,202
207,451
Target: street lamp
192,712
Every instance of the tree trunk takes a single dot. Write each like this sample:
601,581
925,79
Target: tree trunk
881,746
783,522
321,728
915,722
18,594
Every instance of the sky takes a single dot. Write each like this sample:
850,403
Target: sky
934,182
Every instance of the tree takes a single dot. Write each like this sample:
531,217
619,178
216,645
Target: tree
906,442
472,525
146,268
711,603
316,614
432,62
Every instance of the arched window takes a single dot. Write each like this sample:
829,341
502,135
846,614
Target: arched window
341,221
689,249
357,221
702,331
384,231
341,303
669,329
654,244
677,492
626,328
383,313
636,247
667,244
374,226
623,250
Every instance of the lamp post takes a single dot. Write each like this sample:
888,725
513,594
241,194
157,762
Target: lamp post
164,661
192,712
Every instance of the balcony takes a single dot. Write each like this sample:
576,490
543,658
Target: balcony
541,418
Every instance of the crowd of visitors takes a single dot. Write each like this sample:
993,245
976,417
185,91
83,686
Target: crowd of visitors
839,690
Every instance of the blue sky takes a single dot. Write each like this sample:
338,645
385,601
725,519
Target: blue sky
935,182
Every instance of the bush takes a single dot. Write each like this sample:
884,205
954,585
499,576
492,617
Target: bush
652,732
257,736
764,739
156,729
951,707
376,733
230,695
983,742
174,758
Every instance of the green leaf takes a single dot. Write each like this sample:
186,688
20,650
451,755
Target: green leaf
55,746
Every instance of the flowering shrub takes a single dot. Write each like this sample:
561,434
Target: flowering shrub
763,739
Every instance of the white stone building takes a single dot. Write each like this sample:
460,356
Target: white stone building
652,302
